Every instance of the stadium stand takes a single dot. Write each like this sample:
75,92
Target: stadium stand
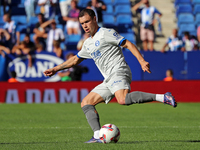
123,9
184,8
118,16
185,18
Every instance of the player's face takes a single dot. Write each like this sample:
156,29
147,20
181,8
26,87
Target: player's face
88,24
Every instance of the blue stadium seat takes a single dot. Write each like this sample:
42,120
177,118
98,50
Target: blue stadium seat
17,11
62,46
109,10
129,36
124,22
178,2
83,3
185,18
31,36
119,2
20,19
109,21
37,9
72,40
22,1
195,2
22,35
59,26
184,8
2,13
108,1
197,19
123,9
33,20
15,2
189,27
32,23
22,28
196,9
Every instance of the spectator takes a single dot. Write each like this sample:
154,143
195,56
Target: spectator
41,29
11,28
39,48
64,7
173,42
13,77
57,49
74,73
148,22
29,8
72,19
25,47
189,43
98,6
80,43
4,50
48,8
169,75
54,34
4,37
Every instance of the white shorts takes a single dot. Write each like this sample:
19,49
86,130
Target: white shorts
65,7
73,24
108,88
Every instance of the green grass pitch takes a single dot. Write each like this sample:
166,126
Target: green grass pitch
152,126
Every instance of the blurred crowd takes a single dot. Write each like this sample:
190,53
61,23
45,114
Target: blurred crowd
50,23
56,21
48,30
150,16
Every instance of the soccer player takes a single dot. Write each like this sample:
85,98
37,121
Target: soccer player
104,48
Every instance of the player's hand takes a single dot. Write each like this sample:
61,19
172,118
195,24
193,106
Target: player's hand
145,66
49,72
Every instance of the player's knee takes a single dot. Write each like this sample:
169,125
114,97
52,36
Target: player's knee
85,102
121,101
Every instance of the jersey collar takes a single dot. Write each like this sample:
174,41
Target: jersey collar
98,29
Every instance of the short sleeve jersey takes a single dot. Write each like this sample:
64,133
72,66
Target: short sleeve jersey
104,48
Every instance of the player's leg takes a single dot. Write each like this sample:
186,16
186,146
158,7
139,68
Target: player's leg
125,98
97,95
120,86
92,116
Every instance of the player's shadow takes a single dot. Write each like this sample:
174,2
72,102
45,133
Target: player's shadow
139,142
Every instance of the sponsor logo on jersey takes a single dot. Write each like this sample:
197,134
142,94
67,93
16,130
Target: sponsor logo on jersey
117,35
96,54
97,43
116,82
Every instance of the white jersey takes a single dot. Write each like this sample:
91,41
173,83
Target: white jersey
104,48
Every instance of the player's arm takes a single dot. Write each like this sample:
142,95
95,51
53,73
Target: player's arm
65,65
145,65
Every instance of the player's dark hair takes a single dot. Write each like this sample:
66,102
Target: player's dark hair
90,12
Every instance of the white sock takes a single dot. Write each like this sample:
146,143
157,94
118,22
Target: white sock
160,97
96,134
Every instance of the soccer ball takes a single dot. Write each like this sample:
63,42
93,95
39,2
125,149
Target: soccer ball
109,133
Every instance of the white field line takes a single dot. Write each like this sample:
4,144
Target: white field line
121,127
